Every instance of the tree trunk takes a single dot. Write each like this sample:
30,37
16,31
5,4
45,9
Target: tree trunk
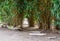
45,12
17,20
31,19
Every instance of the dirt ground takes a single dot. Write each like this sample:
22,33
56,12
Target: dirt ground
13,35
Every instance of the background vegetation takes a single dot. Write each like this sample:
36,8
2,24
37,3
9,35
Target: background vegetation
42,11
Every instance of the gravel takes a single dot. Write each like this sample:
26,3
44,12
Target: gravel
12,35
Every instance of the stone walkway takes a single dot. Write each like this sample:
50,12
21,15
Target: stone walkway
10,35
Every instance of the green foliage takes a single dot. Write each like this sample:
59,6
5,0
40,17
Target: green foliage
56,10
26,7
29,6
6,10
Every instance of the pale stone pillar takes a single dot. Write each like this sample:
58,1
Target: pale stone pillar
25,23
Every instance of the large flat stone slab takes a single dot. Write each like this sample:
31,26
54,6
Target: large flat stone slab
37,33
